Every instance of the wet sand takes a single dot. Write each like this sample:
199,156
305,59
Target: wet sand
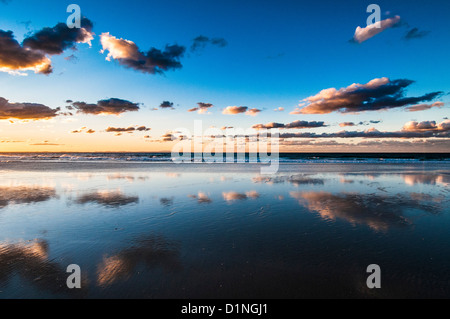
160,230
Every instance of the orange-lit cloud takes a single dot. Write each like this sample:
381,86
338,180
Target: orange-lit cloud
26,111
231,110
377,94
423,107
127,53
33,54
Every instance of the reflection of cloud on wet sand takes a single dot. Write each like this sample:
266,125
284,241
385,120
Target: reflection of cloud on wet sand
129,178
166,201
25,195
295,180
30,261
233,196
108,198
379,212
201,198
152,252
430,179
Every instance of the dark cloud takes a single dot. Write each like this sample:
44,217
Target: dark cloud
415,33
201,42
56,40
378,94
154,61
26,111
344,124
111,106
32,54
294,125
166,105
127,129
83,130
15,58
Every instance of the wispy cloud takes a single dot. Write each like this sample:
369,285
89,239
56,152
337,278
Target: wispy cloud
202,41
364,34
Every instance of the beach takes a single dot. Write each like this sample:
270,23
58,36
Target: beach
164,230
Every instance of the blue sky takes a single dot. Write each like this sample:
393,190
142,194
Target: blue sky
277,54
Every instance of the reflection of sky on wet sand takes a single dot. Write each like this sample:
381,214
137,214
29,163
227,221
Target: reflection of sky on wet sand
157,233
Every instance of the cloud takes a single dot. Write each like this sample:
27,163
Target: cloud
201,42
426,129
111,106
32,54
423,107
253,112
427,126
26,111
55,40
378,94
166,105
83,129
363,34
46,143
14,58
231,110
279,109
344,124
202,108
415,33
127,129
153,61
294,125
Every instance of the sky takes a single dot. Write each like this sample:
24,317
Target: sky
137,75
